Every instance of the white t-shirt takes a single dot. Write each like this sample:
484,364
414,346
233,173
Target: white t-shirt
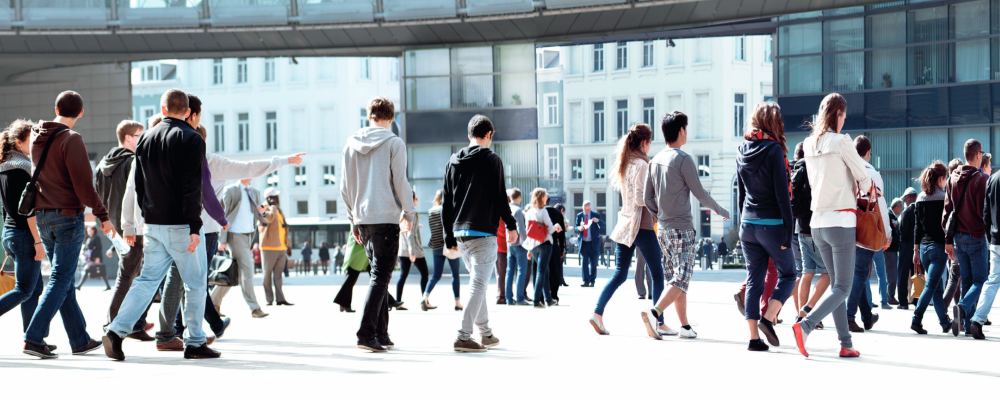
834,219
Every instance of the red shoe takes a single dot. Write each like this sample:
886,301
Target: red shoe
149,326
800,338
849,353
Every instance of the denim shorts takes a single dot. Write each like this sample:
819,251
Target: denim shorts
811,261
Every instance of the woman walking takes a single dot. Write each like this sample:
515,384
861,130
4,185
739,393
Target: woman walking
20,234
834,169
540,248
357,262
437,248
92,250
411,252
275,244
324,257
928,248
764,180
635,227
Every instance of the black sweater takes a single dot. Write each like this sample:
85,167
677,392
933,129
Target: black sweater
475,195
763,184
990,209
927,219
906,223
12,183
168,183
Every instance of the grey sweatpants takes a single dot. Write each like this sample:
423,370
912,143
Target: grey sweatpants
239,245
836,248
274,263
480,256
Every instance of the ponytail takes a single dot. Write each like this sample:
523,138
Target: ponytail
17,131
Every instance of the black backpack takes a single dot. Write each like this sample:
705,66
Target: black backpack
801,191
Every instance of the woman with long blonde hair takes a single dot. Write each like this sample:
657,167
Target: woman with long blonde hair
834,170
635,226
540,250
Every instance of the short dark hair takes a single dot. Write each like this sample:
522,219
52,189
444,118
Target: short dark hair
800,151
194,103
972,148
863,145
479,126
671,125
381,109
175,100
69,104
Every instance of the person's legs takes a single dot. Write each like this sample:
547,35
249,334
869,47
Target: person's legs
156,262
555,272
421,265
381,243
954,281
640,273
585,257
404,271
862,268
770,282
501,275
62,236
509,285
456,279
541,256
679,247
279,291
346,292
480,255
934,259
757,266
974,273
86,273
437,256
623,259
193,269
989,290
883,283
170,305
648,245
904,270
836,246
274,263
241,247
891,274
521,258
20,245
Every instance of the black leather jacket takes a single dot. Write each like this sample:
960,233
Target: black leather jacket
168,181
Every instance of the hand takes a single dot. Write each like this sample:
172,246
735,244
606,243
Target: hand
454,249
511,236
404,225
39,252
195,239
261,209
130,240
783,247
107,228
596,221
288,252
296,158
413,258
950,249
222,247
725,219
357,237
529,256
226,228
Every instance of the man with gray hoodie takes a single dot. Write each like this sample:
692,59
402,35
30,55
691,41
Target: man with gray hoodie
379,207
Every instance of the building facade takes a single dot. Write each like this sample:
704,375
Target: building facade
257,108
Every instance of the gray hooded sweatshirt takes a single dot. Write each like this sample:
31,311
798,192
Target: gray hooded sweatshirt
374,186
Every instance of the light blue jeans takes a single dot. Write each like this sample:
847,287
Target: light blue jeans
883,282
990,289
163,245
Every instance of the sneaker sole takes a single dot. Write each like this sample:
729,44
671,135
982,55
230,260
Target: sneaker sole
109,349
597,328
650,330
362,347
464,350
187,357
80,353
40,355
695,336
491,345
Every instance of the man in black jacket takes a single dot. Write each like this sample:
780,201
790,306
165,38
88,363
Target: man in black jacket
475,201
558,250
168,184
904,262
110,179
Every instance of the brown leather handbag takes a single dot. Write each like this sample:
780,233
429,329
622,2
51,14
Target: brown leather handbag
870,232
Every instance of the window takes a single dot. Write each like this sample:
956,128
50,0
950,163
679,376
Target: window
150,73
393,71
271,130
241,70
576,169
647,53
552,160
767,49
577,203
621,114
703,52
243,130
217,71
329,175
601,207
269,69
704,169
648,112
621,55
740,49
147,113
365,68
301,179
272,179
363,121
219,132
552,109
739,114
302,207
598,168
331,207
599,57
598,121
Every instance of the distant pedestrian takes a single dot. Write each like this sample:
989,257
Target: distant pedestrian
92,254
306,254
275,244
324,257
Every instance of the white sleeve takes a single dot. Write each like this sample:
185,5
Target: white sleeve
128,205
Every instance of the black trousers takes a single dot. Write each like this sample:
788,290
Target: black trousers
555,272
904,270
404,271
381,243
953,291
347,289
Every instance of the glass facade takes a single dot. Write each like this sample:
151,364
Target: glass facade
920,78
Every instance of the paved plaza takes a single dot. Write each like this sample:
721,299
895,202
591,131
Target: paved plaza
309,349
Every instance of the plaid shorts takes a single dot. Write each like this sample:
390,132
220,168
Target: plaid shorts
678,246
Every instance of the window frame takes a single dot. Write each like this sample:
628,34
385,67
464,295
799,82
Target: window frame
219,132
597,55
218,73
621,56
704,160
599,131
327,207
648,54
298,207
365,68
739,115
551,115
243,131
740,48
603,167
621,118
301,177
271,130
329,175
242,71
269,70
649,113
552,161
575,175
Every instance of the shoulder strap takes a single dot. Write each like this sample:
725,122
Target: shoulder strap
45,154
959,202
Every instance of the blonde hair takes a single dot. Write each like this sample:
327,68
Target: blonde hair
154,121
536,198
439,197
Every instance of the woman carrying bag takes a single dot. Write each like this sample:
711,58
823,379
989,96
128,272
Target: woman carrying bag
539,244
928,248
275,244
437,248
357,262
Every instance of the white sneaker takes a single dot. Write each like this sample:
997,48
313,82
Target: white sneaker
688,333
666,332
598,326
649,318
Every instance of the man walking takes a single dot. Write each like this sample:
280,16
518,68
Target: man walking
242,204
110,178
863,257
65,188
590,226
517,256
379,204
169,160
992,225
558,250
965,195
475,198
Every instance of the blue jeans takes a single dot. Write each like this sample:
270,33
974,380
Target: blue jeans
990,290
62,235
975,267
517,259
211,316
439,260
761,242
812,263
27,274
541,255
858,299
934,261
166,244
883,282
647,244
588,260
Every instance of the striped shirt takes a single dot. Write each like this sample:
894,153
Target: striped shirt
437,229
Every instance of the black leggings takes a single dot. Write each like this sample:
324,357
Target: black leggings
404,268
347,288
101,273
